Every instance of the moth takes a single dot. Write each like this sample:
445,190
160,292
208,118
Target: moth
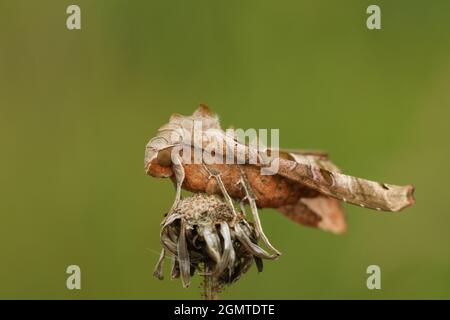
306,188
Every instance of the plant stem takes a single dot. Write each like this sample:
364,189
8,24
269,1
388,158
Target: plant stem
209,286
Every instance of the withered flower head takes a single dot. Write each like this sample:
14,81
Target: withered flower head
203,234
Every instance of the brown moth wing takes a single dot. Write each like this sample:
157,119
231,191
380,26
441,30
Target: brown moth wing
314,158
351,189
320,212
270,191
305,152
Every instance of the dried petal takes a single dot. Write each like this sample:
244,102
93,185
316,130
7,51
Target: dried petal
250,246
175,273
212,241
158,272
183,257
242,267
170,219
228,255
259,264
167,242
194,266
173,234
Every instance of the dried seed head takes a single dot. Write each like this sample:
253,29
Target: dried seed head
203,234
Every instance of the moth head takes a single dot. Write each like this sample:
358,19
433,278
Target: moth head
179,130
157,160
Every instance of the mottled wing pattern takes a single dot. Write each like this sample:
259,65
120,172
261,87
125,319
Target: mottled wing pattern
319,212
358,191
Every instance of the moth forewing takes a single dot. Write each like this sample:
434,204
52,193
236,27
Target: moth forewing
358,191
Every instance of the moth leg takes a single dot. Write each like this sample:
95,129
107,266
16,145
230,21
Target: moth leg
242,206
216,174
250,197
178,170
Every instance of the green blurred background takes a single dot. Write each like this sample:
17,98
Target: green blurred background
78,107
